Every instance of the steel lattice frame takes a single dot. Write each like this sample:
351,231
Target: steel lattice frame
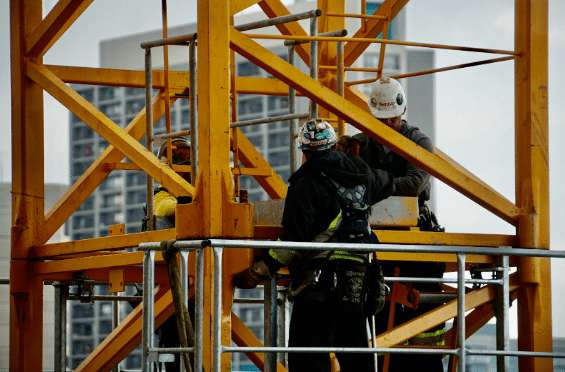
33,261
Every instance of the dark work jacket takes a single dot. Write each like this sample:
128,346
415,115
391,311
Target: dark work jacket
410,180
310,206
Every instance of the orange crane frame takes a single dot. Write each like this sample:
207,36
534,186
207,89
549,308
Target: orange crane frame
219,216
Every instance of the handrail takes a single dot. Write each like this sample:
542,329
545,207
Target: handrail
219,244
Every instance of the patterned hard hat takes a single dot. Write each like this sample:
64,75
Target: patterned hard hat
181,151
316,135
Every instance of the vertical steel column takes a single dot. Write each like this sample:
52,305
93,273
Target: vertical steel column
270,322
193,113
60,362
532,180
502,307
313,62
148,321
217,316
148,135
199,310
292,130
461,310
28,195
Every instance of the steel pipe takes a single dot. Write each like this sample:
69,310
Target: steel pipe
148,135
336,33
271,119
278,20
461,311
292,128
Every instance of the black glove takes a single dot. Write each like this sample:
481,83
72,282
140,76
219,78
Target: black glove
250,278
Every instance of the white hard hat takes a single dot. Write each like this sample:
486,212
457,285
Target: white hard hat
387,99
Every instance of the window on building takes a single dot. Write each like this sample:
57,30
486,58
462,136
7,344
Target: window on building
391,62
111,218
108,93
87,94
82,329
112,110
87,204
185,116
82,347
82,132
82,311
278,158
137,197
112,200
279,139
135,215
278,103
133,107
112,183
83,222
75,119
131,92
250,106
136,178
248,69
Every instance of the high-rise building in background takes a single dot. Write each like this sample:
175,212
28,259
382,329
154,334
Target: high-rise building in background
120,198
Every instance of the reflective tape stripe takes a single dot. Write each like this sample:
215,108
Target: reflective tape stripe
436,338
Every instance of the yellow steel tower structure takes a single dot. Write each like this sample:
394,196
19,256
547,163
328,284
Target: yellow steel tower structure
214,213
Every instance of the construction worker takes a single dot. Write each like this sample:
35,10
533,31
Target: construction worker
328,200
165,204
387,102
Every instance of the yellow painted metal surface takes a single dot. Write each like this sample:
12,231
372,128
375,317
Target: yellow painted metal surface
214,211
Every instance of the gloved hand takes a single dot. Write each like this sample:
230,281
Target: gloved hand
249,278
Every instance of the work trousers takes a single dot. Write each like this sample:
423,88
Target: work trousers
317,323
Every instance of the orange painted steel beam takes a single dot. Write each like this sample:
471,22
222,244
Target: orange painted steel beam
49,251
433,238
500,206
372,28
178,80
59,19
106,261
109,130
127,336
532,179
96,173
26,291
437,316
242,336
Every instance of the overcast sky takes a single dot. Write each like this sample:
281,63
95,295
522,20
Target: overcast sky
474,107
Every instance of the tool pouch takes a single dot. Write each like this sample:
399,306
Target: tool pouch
375,289
348,291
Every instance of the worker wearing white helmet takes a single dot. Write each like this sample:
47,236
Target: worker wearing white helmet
387,102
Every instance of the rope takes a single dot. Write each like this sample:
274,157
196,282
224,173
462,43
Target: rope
184,324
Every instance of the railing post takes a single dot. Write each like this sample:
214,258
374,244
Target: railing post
461,310
60,362
292,110
199,310
217,317
148,324
502,319
270,322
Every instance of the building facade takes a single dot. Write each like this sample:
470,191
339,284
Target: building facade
120,198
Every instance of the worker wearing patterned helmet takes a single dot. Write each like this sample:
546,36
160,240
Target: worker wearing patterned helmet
327,201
